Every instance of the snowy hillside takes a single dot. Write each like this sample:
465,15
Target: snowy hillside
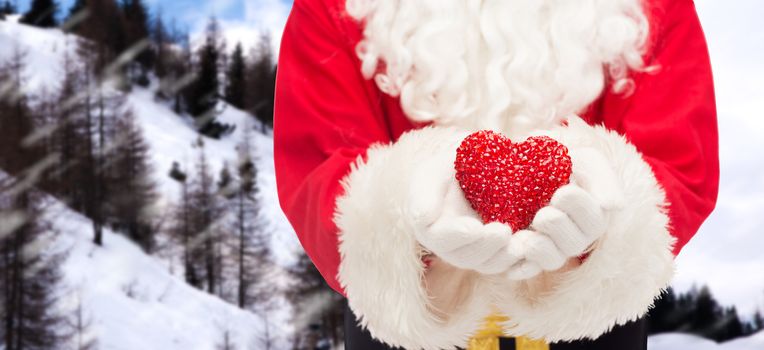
170,136
44,48
676,341
137,301
166,147
133,302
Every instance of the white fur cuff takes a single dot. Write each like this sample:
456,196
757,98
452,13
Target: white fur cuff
381,271
627,268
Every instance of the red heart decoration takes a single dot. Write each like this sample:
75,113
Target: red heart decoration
509,182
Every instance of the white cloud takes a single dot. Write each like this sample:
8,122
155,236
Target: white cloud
259,16
271,14
268,15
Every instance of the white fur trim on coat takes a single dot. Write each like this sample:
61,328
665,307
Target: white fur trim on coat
626,270
381,269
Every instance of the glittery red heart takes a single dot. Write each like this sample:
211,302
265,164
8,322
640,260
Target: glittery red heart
509,182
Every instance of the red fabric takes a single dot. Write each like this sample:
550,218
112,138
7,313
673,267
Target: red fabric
327,115
671,116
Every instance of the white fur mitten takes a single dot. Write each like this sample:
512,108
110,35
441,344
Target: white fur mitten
450,228
573,221
614,210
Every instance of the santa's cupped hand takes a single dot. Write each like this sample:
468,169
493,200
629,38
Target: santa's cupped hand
449,228
568,227
576,217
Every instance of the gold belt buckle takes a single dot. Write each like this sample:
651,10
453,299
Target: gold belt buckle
487,338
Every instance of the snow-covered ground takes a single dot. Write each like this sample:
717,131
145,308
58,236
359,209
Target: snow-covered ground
677,341
44,52
133,302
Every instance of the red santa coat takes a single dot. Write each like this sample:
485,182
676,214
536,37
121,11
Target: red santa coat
327,115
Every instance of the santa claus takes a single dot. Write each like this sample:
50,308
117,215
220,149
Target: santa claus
373,98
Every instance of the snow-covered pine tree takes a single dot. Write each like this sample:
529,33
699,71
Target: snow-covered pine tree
221,234
133,192
104,25
225,343
251,249
99,109
172,63
730,325
29,275
707,313
203,94
76,9
80,326
696,312
261,82
266,340
161,38
236,83
84,114
758,321
42,13
136,17
67,140
30,271
46,117
205,211
17,120
137,21
181,228
318,311
28,140
6,8
177,72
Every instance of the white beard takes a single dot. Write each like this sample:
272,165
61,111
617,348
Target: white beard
499,64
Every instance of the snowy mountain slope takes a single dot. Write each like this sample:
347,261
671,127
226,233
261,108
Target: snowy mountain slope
678,341
133,302
136,301
169,136
44,49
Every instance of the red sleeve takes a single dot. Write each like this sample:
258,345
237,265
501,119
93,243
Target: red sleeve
671,116
324,120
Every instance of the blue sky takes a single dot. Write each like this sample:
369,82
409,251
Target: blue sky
242,20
